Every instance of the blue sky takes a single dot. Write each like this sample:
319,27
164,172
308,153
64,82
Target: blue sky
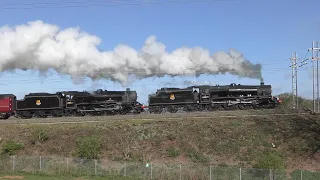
265,32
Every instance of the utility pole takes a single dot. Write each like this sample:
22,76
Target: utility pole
294,80
315,57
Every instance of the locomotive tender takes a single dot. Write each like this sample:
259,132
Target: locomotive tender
103,102
205,97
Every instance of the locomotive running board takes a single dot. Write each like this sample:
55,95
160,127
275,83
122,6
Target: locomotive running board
105,109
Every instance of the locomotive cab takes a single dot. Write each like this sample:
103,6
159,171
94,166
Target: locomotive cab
204,94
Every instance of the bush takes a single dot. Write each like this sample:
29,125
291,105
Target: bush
40,136
270,160
197,157
88,147
173,152
11,147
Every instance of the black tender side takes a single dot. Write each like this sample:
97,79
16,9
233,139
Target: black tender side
40,105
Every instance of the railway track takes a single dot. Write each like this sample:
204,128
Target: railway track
151,117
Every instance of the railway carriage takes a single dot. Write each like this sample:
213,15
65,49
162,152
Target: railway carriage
7,105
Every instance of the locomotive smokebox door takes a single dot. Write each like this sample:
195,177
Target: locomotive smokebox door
172,97
38,102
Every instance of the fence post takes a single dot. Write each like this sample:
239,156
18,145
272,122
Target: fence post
301,174
151,170
40,163
125,169
180,172
95,167
271,174
13,162
240,173
67,164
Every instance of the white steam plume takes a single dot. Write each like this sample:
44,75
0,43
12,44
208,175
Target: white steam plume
40,46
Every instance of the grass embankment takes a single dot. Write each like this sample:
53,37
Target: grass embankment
240,141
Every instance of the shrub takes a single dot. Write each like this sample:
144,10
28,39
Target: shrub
173,152
270,160
197,157
88,147
11,147
40,136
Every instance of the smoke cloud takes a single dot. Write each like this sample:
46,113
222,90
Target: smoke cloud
41,46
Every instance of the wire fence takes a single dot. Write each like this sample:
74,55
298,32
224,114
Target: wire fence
83,167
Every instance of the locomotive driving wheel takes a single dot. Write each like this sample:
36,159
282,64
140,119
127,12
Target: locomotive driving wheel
229,108
255,106
241,106
209,107
201,107
79,113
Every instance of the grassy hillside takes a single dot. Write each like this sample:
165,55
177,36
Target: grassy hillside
235,140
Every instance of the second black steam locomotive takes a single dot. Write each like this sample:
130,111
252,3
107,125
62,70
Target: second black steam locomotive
198,98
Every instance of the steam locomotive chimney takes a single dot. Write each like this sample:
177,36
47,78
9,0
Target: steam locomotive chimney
128,89
262,83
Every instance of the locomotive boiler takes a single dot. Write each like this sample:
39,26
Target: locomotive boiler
205,97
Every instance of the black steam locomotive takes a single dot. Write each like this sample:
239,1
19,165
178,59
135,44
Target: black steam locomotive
198,98
75,103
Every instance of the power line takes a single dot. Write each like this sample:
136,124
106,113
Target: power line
58,3
161,72
85,79
165,73
16,74
110,5
304,60
195,66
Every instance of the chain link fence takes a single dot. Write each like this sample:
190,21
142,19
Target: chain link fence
83,167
